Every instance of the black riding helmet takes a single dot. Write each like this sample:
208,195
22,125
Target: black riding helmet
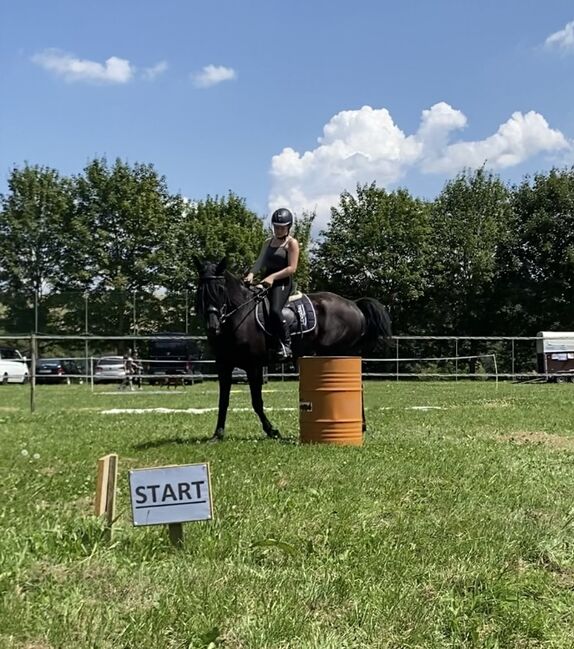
282,216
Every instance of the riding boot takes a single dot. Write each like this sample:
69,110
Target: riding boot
284,351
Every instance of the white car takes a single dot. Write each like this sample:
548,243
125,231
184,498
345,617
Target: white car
13,372
109,368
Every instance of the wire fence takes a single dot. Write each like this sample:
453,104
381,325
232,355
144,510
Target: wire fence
99,312
452,358
449,356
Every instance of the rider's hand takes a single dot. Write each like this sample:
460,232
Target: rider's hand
248,279
267,283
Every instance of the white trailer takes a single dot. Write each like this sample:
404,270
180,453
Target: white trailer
555,355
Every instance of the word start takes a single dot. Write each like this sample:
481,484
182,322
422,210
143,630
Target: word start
180,493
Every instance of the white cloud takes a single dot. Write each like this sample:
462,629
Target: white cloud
519,138
362,146
154,71
562,39
70,68
211,75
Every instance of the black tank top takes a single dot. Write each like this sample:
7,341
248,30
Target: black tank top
275,259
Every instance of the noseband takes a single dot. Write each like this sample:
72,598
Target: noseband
211,308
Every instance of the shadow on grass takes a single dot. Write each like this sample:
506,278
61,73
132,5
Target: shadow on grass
167,441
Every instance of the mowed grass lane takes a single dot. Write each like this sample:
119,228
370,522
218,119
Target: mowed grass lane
452,527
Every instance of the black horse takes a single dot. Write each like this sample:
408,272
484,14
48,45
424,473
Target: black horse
344,328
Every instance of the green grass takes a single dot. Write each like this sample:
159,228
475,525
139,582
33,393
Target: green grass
450,527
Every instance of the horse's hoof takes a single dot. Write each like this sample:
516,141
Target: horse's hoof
216,437
274,434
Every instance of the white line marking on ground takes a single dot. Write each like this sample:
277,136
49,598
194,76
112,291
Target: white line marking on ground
201,411
174,392
189,411
425,408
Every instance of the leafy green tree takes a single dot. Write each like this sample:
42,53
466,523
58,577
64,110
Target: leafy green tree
542,278
214,228
302,232
377,244
472,226
120,227
33,235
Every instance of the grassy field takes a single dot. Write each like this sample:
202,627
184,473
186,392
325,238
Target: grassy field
452,527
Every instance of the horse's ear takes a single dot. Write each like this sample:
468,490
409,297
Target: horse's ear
197,263
221,266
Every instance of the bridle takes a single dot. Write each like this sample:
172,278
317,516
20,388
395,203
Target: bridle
221,312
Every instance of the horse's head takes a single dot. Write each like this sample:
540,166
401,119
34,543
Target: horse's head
211,296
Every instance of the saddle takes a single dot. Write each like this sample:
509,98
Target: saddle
299,313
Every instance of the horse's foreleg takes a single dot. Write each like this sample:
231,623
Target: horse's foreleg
255,376
224,376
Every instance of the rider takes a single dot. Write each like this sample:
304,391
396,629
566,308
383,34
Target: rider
278,259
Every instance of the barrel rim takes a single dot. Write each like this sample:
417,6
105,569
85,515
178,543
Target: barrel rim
329,357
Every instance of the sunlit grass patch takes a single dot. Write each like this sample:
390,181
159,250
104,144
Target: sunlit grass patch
450,527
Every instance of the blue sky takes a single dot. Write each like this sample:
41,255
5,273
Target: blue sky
288,103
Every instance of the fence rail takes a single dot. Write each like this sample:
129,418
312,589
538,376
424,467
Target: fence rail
494,357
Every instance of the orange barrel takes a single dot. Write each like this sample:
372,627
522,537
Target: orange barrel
330,400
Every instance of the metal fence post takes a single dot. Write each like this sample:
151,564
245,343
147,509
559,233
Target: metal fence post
34,355
456,359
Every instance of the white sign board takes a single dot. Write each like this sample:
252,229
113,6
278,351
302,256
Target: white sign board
170,494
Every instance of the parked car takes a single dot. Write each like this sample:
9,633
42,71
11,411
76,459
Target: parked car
13,372
172,356
109,369
57,370
10,354
240,376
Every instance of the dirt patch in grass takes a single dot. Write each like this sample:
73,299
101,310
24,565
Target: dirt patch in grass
523,437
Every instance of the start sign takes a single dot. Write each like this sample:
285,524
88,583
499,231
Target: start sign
171,494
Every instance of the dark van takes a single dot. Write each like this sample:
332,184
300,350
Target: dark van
171,357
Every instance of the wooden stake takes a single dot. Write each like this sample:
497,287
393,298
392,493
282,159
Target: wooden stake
111,491
102,485
105,503
176,534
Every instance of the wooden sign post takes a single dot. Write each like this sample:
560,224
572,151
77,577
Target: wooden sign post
105,503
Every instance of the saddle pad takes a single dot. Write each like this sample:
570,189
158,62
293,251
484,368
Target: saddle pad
303,317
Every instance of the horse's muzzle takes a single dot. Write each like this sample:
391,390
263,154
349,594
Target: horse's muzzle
213,324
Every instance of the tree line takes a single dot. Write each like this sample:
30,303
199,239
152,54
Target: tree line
482,258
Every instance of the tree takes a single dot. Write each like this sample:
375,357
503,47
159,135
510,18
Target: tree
214,228
302,232
543,277
472,224
121,225
211,228
33,236
376,244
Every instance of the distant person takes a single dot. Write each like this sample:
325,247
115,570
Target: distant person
137,369
129,372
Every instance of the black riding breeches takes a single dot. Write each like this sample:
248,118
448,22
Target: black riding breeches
279,294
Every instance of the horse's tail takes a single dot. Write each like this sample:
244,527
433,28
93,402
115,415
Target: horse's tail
378,323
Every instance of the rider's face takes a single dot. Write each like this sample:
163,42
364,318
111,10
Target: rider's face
280,231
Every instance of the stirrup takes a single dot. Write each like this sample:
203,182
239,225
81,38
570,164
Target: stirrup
284,352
